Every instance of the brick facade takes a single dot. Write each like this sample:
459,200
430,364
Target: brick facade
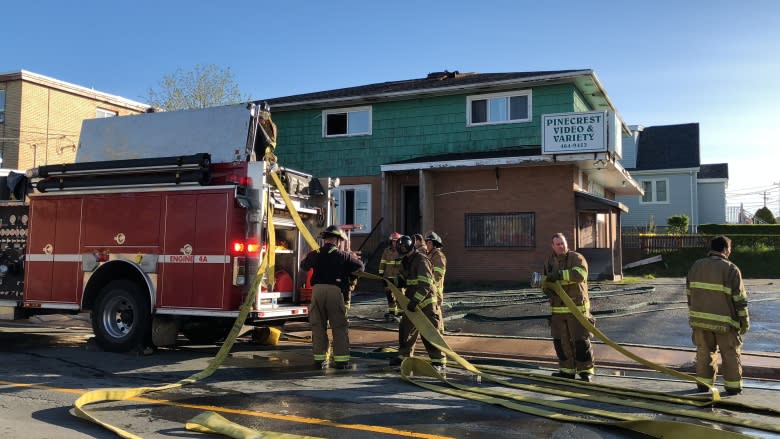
43,118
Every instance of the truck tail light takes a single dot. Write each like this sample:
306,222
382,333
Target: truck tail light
240,181
250,247
101,256
237,248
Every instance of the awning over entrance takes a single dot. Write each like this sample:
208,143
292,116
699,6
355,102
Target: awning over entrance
584,200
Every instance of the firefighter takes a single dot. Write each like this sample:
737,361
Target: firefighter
417,277
433,246
389,266
331,280
718,315
265,138
570,339
419,243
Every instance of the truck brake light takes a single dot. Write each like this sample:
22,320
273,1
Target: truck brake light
240,181
238,248
250,247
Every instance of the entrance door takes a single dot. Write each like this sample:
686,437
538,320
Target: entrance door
411,210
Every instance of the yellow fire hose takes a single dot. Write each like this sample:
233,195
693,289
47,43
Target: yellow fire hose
415,367
206,422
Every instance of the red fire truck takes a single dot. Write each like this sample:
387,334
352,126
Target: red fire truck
158,228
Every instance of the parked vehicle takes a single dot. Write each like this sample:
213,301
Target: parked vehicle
158,228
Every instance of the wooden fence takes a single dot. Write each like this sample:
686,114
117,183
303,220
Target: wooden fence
654,244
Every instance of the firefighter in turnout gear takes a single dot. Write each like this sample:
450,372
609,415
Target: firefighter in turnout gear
331,282
433,246
718,315
570,339
417,277
389,266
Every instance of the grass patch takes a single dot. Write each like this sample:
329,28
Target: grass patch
757,262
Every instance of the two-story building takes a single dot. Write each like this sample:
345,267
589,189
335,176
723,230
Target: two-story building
40,117
665,160
462,154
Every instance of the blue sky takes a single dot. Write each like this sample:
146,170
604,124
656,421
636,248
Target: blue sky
662,62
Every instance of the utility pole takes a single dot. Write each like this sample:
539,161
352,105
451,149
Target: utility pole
778,197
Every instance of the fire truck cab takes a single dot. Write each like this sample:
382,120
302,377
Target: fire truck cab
159,228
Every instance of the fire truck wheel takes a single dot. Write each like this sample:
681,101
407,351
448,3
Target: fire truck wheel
121,319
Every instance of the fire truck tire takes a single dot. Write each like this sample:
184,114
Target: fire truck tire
121,319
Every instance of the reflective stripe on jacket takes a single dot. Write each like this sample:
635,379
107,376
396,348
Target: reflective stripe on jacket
574,271
717,299
390,263
416,269
439,263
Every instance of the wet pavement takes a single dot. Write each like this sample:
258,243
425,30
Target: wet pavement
274,388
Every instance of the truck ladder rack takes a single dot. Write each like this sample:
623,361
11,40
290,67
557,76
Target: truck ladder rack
177,170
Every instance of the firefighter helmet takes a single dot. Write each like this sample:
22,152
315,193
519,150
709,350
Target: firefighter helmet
405,244
394,236
334,231
436,239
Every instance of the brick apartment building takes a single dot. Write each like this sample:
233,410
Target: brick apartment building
40,117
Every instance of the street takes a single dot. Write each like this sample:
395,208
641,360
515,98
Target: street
50,362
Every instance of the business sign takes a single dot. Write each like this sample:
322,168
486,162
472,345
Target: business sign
564,133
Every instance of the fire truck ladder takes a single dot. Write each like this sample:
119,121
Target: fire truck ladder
175,170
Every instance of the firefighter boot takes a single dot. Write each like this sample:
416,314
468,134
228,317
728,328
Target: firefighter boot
585,376
563,375
343,365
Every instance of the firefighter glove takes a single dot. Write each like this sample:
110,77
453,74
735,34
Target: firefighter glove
744,325
553,276
412,306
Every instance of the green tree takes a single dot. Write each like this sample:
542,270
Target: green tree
204,86
765,215
678,224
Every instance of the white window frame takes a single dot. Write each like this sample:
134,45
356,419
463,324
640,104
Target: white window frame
487,97
654,191
102,112
361,212
2,105
367,109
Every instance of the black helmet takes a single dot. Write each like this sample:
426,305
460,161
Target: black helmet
433,237
405,244
334,232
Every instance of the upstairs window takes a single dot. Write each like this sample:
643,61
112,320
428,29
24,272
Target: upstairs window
346,122
2,106
499,108
100,113
656,191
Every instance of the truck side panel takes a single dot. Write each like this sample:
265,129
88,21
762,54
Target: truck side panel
194,270
53,271
210,279
122,220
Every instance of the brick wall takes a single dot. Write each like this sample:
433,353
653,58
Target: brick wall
43,123
545,191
